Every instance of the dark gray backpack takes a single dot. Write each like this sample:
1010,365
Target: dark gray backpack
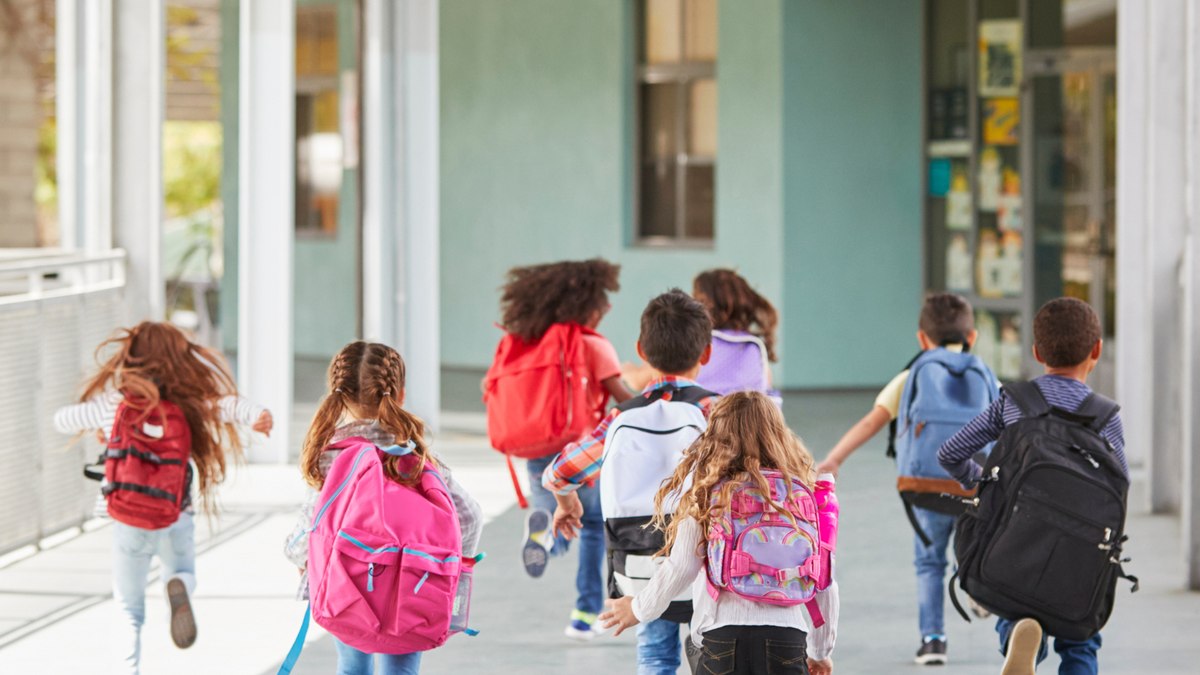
1043,539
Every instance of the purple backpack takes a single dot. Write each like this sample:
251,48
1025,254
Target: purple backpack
738,363
780,559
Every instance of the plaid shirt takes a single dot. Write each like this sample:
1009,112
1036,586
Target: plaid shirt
579,463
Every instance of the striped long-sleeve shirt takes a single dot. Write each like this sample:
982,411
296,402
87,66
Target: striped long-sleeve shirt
1065,393
99,412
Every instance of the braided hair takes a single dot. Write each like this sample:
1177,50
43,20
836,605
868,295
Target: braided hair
366,381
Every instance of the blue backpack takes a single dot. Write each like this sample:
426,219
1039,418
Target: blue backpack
945,390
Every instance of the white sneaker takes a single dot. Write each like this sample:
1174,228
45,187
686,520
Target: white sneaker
535,552
584,627
1023,646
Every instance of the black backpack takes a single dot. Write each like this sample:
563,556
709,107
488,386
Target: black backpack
1043,539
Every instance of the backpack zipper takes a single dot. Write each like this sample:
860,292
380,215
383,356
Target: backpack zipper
1086,455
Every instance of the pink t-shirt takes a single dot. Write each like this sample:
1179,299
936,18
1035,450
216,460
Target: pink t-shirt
602,363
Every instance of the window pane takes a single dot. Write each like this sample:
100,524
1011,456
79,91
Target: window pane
658,199
1073,23
702,122
28,185
316,41
662,31
698,211
701,38
660,121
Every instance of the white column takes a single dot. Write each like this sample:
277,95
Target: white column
419,195
379,160
137,104
266,121
96,143
1134,367
1191,344
66,107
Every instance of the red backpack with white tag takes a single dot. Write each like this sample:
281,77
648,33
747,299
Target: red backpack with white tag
146,465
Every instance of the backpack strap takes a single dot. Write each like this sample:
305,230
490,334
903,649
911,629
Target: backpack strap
894,424
1099,409
297,646
1028,398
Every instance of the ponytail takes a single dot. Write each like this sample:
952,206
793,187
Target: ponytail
406,427
324,422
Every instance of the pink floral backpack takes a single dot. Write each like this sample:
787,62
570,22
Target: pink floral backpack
765,556
384,559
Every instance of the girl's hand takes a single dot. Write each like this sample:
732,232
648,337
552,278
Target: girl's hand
830,465
264,423
822,667
619,615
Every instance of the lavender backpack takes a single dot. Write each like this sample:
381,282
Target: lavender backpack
738,363
763,555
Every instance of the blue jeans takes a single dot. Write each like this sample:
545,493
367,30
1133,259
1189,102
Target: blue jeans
589,579
658,647
930,562
133,550
353,662
1078,658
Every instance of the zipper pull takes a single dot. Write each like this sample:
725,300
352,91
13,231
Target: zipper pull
1091,460
370,577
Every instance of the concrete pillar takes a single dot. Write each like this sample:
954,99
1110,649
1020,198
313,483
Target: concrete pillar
266,230
1191,344
401,191
137,109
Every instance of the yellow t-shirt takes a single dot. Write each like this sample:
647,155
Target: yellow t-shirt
889,396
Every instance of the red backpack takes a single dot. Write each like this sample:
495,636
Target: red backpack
146,464
537,393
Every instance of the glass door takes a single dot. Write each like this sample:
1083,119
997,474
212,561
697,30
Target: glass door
1072,98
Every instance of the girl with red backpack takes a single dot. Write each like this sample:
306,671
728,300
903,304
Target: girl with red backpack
363,415
168,408
549,384
753,534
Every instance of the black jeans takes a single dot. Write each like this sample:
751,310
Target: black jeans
754,650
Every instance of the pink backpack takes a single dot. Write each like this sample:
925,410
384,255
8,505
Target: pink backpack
384,559
759,554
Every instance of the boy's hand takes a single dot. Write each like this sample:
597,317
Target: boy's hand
829,465
568,517
822,667
619,615
264,423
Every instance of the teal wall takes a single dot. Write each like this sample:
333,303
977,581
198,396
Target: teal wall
536,130
852,204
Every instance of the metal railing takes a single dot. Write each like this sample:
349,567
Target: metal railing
54,310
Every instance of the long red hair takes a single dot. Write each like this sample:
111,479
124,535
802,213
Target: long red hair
155,362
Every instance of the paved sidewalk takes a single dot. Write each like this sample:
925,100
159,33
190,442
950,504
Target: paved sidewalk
55,608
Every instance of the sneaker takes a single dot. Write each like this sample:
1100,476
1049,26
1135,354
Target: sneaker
977,609
183,623
932,651
538,539
1023,646
583,627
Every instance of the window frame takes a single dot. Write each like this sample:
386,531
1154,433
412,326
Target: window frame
683,74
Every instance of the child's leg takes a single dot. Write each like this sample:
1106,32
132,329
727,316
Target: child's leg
177,551
589,580
1078,658
658,647
351,661
133,548
541,498
930,562
1004,629
401,664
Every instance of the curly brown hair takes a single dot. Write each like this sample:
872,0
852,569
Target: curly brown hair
735,305
155,361
538,296
365,378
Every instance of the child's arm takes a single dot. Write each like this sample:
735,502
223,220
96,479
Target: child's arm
577,465
956,454
821,640
295,548
616,388
671,578
470,515
95,413
862,431
237,410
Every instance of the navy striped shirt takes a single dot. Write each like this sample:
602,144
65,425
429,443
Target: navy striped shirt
1060,392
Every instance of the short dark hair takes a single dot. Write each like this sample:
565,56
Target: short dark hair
675,331
1064,332
947,318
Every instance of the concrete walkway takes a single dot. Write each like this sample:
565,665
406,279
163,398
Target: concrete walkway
56,606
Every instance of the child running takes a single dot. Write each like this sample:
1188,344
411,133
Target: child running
746,437
1067,342
365,399
550,314
743,342
168,407
941,390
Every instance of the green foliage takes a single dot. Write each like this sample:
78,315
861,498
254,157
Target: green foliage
191,166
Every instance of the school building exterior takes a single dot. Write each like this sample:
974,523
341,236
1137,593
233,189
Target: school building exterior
381,164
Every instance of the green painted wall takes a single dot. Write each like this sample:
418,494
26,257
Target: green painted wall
536,129
852,204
